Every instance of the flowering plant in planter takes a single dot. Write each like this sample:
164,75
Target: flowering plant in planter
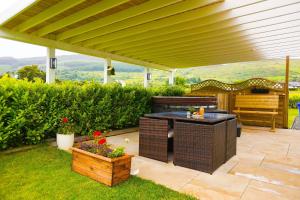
65,135
66,126
100,161
101,147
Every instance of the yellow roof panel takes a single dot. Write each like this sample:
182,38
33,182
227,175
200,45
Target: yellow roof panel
162,34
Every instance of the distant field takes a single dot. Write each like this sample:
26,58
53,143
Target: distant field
4,69
292,114
79,67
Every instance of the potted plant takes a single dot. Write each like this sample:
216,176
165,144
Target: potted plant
65,135
100,161
190,111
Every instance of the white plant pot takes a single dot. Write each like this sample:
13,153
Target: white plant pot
64,142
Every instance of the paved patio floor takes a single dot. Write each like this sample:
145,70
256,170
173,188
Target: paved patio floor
267,166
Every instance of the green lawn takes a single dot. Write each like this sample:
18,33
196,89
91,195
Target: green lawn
293,112
45,173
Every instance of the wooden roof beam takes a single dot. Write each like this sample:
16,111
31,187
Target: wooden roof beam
170,10
16,9
237,43
197,63
202,53
47,14
122,15
80,15
236,13
234,52
217,29
192,15
211,41
236,56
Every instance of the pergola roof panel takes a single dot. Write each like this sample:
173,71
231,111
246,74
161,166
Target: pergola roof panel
84,21
163,34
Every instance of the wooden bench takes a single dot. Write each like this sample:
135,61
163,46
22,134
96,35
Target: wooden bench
257,105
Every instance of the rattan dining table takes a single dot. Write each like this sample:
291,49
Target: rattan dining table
203,144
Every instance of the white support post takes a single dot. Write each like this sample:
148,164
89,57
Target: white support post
50,73
172,77
107,64
146,81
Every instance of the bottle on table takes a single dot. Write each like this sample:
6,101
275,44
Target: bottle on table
201,111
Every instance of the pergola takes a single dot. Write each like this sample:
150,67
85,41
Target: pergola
158,34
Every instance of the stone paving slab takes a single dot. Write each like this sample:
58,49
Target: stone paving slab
267,166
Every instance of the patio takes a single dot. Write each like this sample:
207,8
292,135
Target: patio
267,165
167,35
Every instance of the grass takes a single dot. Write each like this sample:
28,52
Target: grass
293,112
45,173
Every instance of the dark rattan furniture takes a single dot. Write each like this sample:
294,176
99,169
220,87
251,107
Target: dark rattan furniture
208,118
173,104
153,139
199,146
202,144
239,130
231,126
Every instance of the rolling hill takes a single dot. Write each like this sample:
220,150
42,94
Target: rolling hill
80,67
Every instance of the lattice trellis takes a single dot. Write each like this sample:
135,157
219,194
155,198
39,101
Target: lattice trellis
214,85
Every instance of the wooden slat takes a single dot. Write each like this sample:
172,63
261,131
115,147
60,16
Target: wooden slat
192,30
47,14
102,169
149,17
81,15
255,112
257,101
123,15
85,172
190,16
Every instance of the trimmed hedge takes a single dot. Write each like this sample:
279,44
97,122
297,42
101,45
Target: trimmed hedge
31,112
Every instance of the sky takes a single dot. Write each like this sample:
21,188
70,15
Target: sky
9,48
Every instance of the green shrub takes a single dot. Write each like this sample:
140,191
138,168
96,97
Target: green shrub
294,98
31,111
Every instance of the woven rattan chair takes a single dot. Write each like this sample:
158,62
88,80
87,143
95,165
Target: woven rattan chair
153,142
199,146
231,138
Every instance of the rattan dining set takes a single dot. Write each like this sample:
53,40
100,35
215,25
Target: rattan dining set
202,144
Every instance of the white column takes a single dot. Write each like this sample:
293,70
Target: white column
146,81
50,73
172,76
107,64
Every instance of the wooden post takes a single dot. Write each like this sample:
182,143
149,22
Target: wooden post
286,90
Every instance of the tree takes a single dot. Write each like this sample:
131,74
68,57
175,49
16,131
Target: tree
6,74
194,80
179,80
31,72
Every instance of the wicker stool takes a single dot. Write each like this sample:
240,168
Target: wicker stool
199,146
153,139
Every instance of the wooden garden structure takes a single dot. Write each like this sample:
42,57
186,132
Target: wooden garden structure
227,93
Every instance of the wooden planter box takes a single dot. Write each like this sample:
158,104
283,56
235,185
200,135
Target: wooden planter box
109,171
